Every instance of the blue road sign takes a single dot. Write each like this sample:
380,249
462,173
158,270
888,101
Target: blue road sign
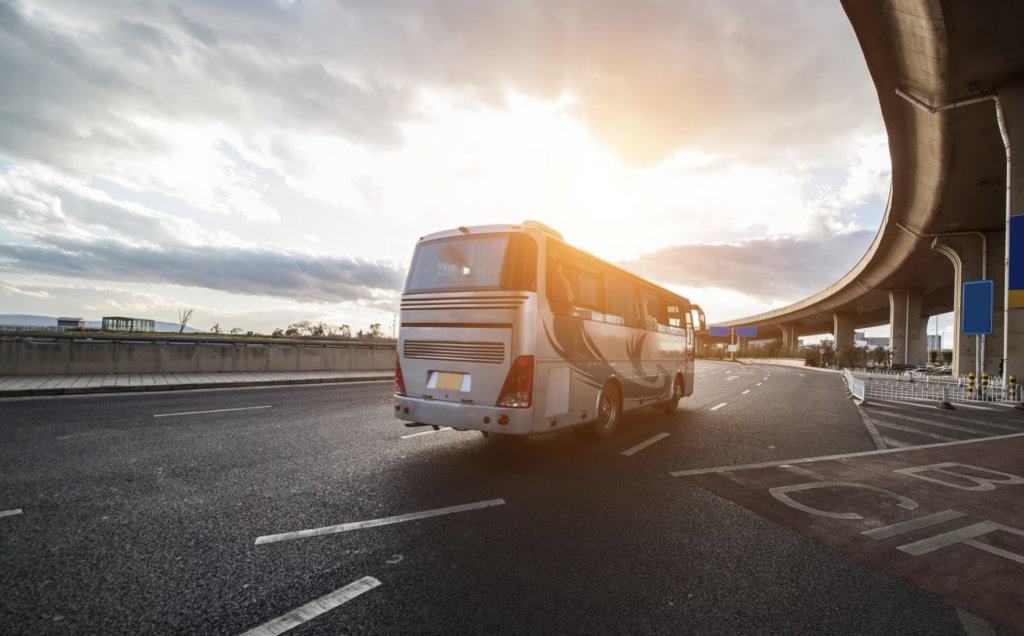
746,332
1016,261
976,308
720,331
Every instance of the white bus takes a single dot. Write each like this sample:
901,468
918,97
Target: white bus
509,330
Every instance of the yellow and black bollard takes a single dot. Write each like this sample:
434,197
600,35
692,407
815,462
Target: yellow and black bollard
984,386
970,385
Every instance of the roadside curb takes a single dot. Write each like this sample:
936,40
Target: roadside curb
188,387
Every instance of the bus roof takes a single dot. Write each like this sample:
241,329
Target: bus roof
531,227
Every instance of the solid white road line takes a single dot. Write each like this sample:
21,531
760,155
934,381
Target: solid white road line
309,611
880,442
10,513
943,414
715,408
823,458
952,427
745,392
244,408
443,428
894,443
643,445
907,429
358,525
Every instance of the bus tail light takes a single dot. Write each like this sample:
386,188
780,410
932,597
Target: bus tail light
399,382
517,392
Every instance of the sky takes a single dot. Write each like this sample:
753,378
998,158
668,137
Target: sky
269,161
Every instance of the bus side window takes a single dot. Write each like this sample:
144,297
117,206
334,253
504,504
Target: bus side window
619,298
589,286
561,279
673,314
649,310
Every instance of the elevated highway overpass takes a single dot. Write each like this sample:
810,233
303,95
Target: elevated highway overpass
948,204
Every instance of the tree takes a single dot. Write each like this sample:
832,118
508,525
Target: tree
216,328
933,356
236,330
345,331
948,357
278,333
184,315
375,331
359,334
301,328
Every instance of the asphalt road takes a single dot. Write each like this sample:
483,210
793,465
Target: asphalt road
137,524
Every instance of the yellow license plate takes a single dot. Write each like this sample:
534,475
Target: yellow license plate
450,381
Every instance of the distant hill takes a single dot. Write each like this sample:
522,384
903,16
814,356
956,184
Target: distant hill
50,321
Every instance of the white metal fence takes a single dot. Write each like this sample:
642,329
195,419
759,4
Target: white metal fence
934,388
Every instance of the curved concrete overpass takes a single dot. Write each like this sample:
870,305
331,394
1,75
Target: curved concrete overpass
948,175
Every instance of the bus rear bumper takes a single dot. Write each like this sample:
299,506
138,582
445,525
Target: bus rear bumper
471,416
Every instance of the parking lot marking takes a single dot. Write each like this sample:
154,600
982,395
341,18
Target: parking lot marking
244,408
359,525
643,445
745,392
894,443
311,610
907,429
805,460
914,524
10,513
443,428
934,413
715,408
952,427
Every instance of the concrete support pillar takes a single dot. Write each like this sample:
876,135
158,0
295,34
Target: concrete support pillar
965,253
843,329
789,338
1012,96
907,327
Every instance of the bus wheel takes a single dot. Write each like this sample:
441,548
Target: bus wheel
608,407
677,394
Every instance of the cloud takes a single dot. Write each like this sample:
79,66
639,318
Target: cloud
259,271
66,229
649,76
767,270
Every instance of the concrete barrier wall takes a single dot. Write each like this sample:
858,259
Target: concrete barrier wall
50,358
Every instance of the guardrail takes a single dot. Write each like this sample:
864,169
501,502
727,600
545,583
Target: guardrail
940,389
857,387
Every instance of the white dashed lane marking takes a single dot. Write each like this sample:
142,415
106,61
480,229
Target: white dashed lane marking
244,408
10,513
315,608
715,408
359,525
443,428
639,447
745,392
731,377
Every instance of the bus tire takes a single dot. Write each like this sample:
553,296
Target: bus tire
609,411
677,394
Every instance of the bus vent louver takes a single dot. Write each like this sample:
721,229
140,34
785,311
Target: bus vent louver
455,351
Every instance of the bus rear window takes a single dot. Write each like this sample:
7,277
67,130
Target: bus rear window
482,261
